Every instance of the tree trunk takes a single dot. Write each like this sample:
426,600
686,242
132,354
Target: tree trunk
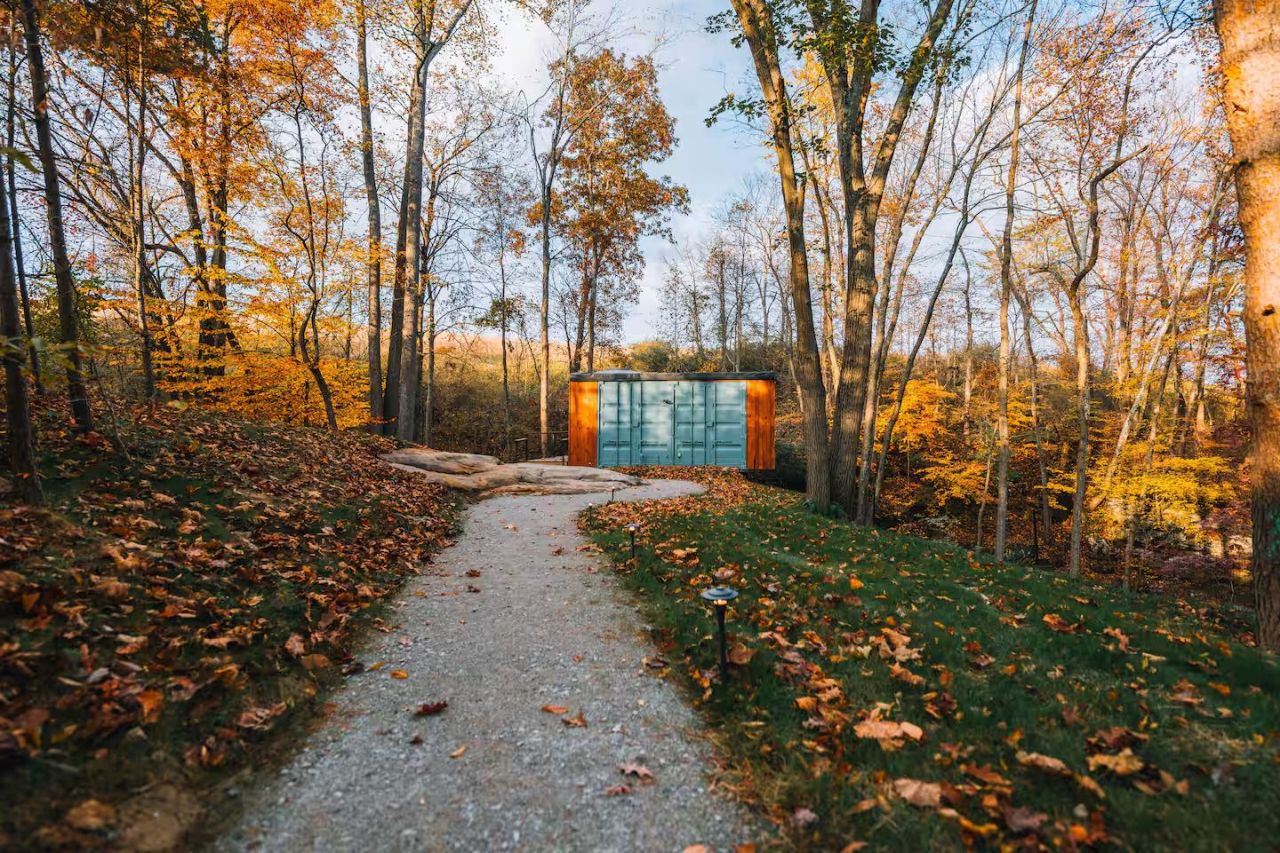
1081,330
22,461
1046,518
15,222
758,29
139,225
374,263
407,226
81,413
1250,33
411,324
1006,286
544,319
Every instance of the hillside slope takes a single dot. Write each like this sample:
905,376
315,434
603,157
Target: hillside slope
193,585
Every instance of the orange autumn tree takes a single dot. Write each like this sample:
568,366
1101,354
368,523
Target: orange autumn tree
608,200
216,122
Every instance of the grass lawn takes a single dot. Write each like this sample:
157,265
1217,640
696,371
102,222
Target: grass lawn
898,692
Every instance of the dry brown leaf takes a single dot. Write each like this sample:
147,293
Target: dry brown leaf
906,676
151,702
1047,763
924,795
260,719
295,645
1124,763
639,771
1023,820
555,709
311,663
92,815
579,721
891,735
457,753
1090,785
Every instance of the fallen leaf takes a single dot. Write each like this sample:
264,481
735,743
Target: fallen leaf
891,735
555,709
576,722
311,663
260,719
430,709
906,676
617,790
802,817
1023,820
151,701
399,674
457,753
925,795
1062,626
92,815
1121,638
1091,785
295,645
1047,763
637,770
1124,763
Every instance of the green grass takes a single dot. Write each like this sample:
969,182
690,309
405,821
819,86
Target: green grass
1203,708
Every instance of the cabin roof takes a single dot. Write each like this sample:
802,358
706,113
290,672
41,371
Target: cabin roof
641,376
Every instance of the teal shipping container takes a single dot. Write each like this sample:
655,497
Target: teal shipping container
620,418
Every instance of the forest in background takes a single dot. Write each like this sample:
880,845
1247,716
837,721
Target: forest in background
1002,284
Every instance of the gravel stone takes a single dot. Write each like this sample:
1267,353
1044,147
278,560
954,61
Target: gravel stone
525,781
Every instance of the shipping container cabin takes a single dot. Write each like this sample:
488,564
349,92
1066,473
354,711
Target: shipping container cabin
625,417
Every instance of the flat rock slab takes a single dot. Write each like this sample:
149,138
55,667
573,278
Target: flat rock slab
541,624
487,475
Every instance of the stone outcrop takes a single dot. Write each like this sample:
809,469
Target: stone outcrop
472,472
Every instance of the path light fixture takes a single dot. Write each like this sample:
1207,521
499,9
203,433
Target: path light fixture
719,597
631,531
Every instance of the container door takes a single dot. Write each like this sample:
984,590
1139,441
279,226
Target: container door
726,424
690,423
653,435
615,424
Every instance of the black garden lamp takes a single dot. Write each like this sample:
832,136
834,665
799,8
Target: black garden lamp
719,597
631,531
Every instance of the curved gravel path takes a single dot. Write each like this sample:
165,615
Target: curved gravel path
541,624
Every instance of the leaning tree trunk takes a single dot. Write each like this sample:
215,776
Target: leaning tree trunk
1250,33
81,413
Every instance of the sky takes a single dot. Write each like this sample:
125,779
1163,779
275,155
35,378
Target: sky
696,69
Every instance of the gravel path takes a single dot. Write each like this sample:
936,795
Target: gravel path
541,624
